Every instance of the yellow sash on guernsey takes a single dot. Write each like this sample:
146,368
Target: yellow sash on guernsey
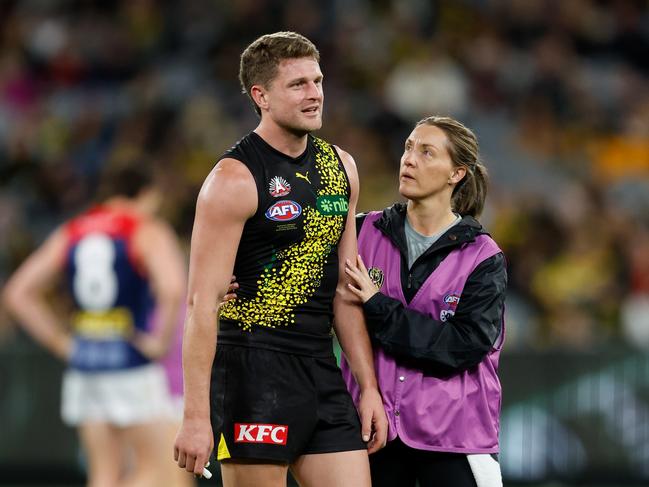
114,323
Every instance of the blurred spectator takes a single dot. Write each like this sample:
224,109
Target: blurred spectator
557,92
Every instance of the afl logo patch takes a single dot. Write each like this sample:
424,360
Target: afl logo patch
451,300
284,211
278,186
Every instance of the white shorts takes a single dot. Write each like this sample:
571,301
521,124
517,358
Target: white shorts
123,398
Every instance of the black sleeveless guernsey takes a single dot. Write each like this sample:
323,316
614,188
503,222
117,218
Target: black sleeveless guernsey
287,261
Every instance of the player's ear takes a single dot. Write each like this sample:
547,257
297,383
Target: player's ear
259,96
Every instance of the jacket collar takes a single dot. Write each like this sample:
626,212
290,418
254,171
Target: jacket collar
392,222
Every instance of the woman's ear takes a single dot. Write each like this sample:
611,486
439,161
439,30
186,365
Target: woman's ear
456,176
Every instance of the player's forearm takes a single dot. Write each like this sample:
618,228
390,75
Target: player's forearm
199,347
38,319
168,304
355,343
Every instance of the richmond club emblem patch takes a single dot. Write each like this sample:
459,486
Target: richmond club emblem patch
376,275
279,186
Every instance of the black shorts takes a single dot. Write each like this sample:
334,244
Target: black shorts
269,405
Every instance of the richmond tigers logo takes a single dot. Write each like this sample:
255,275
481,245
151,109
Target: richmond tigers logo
376,275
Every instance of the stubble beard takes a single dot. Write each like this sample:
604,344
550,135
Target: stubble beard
300,128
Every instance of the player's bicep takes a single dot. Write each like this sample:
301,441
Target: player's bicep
40,270
347,248
226,201
164,262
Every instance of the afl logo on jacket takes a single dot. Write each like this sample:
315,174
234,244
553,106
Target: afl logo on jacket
284,211
451,300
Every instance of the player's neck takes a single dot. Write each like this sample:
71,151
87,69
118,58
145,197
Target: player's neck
119,202
134,205
281,139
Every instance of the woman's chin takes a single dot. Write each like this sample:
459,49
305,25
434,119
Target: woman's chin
405,191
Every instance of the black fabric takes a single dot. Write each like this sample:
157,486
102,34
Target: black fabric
306,394
399,465
287,259
439,347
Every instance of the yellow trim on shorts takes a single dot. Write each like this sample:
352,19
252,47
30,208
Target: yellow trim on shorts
222,453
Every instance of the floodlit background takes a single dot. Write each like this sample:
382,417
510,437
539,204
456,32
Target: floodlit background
557,92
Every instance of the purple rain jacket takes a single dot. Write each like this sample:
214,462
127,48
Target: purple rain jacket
437,330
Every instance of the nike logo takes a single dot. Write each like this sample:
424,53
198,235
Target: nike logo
303,176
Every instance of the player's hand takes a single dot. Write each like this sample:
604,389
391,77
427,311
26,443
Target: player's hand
194,444
232,291
150,345
374,422
362,285
63,347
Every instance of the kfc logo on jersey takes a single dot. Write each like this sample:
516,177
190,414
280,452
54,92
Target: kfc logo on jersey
284,211
451,300
271,434
279,186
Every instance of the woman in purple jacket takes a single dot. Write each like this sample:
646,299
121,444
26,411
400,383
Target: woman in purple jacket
433,286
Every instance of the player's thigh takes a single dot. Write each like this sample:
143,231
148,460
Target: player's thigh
339,469
264,407
148,442
244,473
102,448
338,428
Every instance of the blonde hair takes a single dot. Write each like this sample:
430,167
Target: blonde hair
470,192
260,60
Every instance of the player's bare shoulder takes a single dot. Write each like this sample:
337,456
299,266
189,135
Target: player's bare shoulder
229,187
350,167
346,157
153,229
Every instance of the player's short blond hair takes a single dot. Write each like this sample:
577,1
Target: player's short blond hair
260,60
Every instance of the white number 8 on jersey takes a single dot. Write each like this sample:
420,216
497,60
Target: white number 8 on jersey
95,282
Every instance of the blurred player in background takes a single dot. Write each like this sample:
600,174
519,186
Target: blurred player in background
275,210
433,286
119,261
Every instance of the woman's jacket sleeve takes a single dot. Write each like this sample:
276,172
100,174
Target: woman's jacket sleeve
460,342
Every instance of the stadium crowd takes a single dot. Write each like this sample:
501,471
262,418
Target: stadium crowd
557,92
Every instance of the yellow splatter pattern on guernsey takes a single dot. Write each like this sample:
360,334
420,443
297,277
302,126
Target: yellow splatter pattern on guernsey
299,268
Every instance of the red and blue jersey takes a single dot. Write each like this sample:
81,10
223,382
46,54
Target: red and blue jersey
111,293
